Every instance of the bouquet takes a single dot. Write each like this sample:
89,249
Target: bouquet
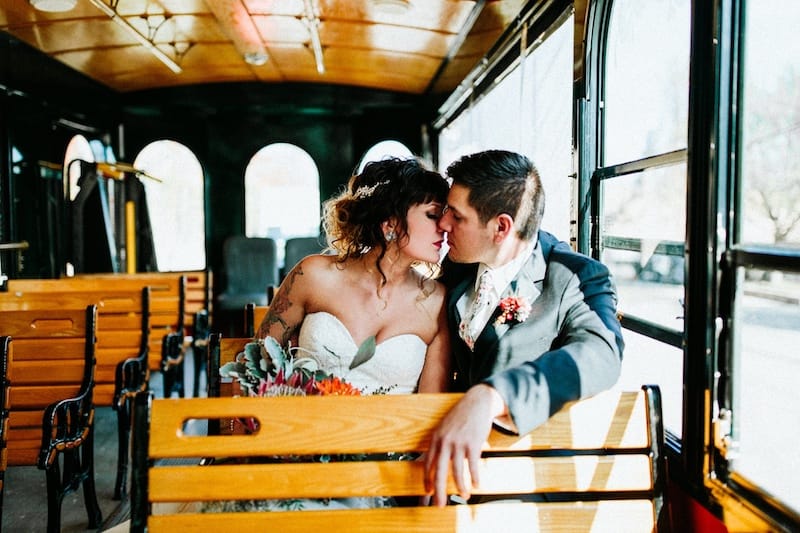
265,369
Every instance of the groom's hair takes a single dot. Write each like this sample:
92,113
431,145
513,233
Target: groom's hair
502,182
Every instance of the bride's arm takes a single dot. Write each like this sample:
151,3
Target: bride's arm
435,375
287,308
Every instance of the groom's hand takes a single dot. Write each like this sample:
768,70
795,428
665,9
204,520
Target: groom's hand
458,442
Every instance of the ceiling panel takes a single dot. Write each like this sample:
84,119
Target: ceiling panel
361,44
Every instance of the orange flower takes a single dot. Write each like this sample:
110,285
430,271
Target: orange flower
336,387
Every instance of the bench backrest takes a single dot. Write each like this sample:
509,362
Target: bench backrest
51,358
221,350
199,287
122,330
253,316
595,461
167,299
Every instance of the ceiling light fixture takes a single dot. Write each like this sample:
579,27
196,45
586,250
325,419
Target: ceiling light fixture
141,39
391,7
311,20
53,6
236,22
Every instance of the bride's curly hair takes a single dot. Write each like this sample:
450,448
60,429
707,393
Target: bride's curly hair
384,190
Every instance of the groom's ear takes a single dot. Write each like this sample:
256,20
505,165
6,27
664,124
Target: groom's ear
504,225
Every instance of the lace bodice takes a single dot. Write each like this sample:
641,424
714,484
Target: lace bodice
397,362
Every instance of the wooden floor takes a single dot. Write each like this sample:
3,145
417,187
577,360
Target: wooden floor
25,497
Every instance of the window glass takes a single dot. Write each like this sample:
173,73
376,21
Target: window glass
766,308
528,111
77,149
175,204
643,242
765,370
770,142
384,149
281,185
642,219
646,81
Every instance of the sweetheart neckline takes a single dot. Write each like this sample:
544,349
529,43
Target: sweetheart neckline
350,335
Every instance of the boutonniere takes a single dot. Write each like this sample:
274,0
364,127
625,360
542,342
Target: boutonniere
513,310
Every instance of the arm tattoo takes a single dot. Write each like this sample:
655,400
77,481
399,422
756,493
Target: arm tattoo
279,305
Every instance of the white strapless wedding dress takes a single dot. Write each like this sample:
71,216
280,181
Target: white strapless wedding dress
394,368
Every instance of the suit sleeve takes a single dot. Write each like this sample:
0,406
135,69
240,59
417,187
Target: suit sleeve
585,356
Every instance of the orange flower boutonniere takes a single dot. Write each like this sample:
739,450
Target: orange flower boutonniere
513,310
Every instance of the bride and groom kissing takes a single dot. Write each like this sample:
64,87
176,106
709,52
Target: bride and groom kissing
511,316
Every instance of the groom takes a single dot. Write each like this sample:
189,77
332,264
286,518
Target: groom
533,323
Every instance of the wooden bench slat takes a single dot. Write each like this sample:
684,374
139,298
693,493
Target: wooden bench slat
328,420
42,372
26,397
30,350
556,517
400,478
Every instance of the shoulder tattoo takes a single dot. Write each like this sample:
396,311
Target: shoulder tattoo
278,306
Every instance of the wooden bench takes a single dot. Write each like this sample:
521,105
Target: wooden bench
197,310
166,319
48,397
121,368
123,319
596,465
199,286
124,332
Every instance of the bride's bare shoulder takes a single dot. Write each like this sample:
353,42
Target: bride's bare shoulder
317,266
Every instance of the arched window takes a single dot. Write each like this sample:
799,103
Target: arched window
77,149
281,185
384,149
175,205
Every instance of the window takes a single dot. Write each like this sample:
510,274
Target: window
281,186
640,188
385,149
763,259
77,149
175,189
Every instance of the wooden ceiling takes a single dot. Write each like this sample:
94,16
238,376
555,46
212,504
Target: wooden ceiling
428,47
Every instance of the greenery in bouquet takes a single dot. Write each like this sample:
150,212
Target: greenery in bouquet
264,368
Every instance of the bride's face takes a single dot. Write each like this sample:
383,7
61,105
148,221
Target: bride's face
425,239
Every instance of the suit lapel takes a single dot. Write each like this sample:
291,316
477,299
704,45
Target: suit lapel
527,284
462,354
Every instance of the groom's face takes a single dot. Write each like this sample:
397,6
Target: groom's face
469,240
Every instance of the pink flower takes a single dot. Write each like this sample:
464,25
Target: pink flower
513,309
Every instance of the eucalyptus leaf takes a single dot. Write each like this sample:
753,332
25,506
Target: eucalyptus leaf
364,353
232,369
276,354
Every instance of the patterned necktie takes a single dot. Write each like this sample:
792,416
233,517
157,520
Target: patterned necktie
469,329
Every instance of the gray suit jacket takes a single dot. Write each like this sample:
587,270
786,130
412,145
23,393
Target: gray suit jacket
570,346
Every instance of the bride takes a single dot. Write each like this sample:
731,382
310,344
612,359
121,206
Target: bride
380,283
383,230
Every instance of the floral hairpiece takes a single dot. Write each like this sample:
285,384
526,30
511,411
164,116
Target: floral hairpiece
514,310
365,191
